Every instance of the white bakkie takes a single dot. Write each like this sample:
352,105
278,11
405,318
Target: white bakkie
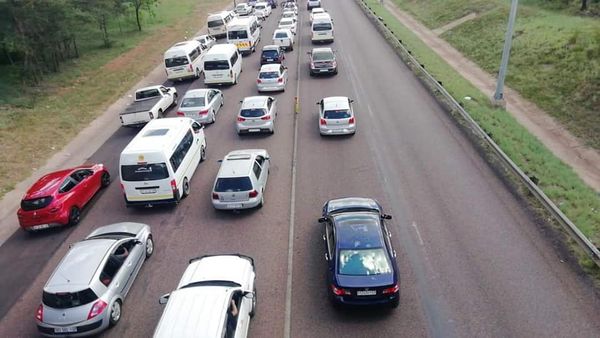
150,103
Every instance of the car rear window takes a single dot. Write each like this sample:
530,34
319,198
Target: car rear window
336,114
193,102
65,300
286,22
322,26
281,35
145,94
268,75
363,262
216,65
270,53
215,23
36,203
252,112
176,61
322,56
144,172
231,184
233,35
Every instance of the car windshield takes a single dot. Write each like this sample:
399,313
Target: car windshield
215,23
281,35
268,75
321,26
233,35
322,56
286,23
216,65
65,300
176,61
363,262
259,7
288,15
144,172
270,53
192,102
36,203
233,184
212,283
252,112
336,114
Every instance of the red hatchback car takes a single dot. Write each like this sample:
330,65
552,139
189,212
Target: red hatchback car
57,198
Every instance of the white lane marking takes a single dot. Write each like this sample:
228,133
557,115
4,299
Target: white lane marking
287,328
414,225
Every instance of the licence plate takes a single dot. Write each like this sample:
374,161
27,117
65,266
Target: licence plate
65,329
254,130
269,59
366,293
234,206
323,70
40,226
148,191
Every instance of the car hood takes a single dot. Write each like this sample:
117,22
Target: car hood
365,281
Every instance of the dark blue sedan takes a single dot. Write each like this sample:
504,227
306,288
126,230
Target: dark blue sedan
361,261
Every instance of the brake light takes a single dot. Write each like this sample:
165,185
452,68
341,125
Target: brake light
258,81
215,196
122,187
266,118
180,113
392,289
191,69
39,314
280,80
230,73
339,291
253,193
241,119
203,112
351,121
323,122
97,309
174,186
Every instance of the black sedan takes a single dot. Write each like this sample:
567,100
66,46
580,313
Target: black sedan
361,262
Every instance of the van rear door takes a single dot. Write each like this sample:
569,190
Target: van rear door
146,182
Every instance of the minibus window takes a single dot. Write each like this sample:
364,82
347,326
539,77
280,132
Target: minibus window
216,65
321,26
216,23
233,35
144,172
176,61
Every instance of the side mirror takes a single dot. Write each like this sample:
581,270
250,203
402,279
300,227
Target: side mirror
268,158
322,220
241,101
249,294
219,161
351,101
138,242
386,216
164,298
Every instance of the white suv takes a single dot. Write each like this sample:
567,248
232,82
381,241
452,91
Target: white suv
211,291
242,180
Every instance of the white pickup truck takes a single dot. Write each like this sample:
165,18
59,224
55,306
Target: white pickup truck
150,103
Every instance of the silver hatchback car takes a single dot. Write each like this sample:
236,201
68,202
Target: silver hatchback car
336,116
85,292
257,114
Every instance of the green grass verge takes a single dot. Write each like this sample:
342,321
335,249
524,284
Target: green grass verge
37,122
579,202
555,57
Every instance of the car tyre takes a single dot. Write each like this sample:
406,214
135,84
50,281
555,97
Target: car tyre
105,179
395,303
149,246
160,114
202,153
74,216
174,99
212,117
115,313
186,188
262,200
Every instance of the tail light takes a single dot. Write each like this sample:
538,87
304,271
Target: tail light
280,80
258,81
191,68
351,121
174,187
392,289
97,309
253,194
39,314
203,112
122,187
241,119
339,291
266,118
215,196
322,122
230,73
180,113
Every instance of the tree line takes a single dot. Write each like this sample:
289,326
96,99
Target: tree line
38,35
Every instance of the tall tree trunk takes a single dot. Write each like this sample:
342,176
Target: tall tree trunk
104,31
75,47
584,5
137,16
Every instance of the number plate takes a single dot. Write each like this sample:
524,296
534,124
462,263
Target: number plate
323,70
234,206
40,226
148,191
254,130
269,59
65,329
366,293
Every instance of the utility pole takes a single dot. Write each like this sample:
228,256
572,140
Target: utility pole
498,98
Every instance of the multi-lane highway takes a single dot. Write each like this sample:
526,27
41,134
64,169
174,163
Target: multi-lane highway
473,261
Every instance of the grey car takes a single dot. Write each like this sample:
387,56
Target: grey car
202,105
85,292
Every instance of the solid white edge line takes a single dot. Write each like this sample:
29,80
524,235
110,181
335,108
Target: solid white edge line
290,260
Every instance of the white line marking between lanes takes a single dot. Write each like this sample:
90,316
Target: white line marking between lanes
287,329
414,225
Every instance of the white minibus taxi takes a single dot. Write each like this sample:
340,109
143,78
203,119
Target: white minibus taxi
322,28
217,23
157,165
222,64
244,33
184,60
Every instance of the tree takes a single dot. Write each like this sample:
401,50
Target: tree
584,5
99,11
140,5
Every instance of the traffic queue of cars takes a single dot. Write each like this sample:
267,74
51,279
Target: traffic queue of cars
86,291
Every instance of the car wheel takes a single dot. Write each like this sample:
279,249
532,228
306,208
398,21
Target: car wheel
74,216
212,117
335,72
253,310
174,99
105,179
160,114
186,188
115,313
202,153
394,304
262,200
149,246
291,47
197,73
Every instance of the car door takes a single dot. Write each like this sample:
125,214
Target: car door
284,74
329,238
209,99
126,275
243,322
272,107
87,185
167,99
218,99
264,172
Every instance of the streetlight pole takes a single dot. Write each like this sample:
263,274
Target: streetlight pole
499,94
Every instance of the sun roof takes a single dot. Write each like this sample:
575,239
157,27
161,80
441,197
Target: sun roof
238,157
156,132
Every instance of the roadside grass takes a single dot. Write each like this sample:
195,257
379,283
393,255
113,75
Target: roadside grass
40,121
579,202
555,57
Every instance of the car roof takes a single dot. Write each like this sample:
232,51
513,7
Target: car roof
358,230
322,50
271,67
279,30
120,228
77,268
47,185
350,203
318,10
196,92
335,102
271,47
254,102
233,268
238,162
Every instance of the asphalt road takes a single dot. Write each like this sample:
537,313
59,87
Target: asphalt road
473,262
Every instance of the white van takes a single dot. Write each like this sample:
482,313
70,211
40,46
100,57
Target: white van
244,33
184,60
157,165
217,23
322,28
222,64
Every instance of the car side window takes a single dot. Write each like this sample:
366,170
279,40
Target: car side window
115,262
257,169
260,160
209,96
68,184
330,238
233,313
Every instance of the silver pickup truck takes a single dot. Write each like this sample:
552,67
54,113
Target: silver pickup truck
150,103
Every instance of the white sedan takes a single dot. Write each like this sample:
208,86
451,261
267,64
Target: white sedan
284,38
272,77
202,105
288,24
